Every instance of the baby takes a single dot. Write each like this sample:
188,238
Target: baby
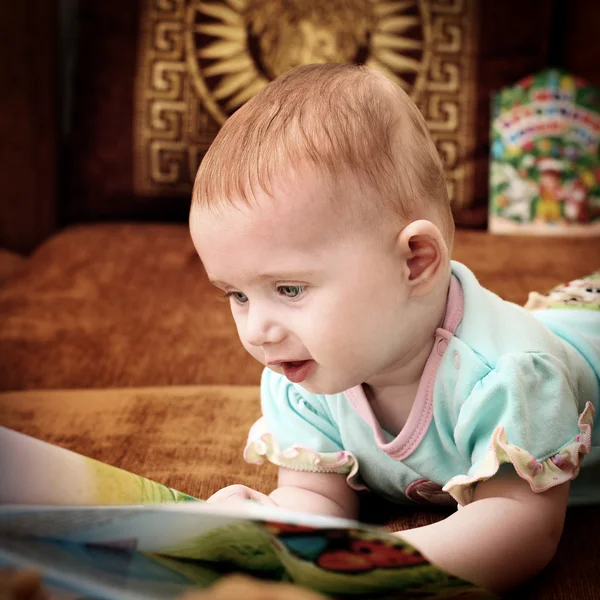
321,212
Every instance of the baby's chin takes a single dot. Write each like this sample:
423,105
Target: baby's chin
323,388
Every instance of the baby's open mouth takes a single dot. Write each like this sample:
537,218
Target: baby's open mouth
298,370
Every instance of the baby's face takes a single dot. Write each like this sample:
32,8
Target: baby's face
313,295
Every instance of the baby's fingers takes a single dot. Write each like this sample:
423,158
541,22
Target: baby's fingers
231,492
235,493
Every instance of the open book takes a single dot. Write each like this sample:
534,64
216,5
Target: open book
96,531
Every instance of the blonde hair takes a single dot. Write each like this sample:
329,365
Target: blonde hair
342,119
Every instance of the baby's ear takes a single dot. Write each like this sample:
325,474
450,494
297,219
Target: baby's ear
423,248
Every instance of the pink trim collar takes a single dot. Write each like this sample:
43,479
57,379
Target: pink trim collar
421,412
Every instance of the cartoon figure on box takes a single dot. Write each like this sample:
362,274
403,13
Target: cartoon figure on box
576,207
518,194
545,159
551,191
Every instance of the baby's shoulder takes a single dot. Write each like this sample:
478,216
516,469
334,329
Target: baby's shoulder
493,327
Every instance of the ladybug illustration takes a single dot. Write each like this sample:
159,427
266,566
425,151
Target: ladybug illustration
364,555
341,550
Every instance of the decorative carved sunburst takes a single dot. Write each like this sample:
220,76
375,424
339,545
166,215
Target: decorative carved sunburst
235,47
200,60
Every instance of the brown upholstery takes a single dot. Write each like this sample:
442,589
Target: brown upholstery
191,438
10,262
129,305
117,305
114,306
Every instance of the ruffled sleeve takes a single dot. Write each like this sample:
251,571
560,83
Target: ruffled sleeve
524,412
296,431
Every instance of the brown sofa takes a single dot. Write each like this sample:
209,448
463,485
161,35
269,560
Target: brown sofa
120,305
125,314
112,301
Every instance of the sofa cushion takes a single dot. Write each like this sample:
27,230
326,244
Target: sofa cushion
118,305
192,439
10,262
155,81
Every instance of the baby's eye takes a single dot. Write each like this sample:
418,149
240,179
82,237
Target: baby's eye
291,291
239,297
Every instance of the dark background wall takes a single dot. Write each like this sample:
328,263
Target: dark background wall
29,104
38,55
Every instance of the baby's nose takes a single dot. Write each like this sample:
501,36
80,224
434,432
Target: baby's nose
262,329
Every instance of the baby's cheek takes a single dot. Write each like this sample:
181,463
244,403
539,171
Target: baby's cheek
254,351
239,328
335,346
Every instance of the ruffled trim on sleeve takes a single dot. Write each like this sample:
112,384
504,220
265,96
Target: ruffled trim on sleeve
262,445
541,475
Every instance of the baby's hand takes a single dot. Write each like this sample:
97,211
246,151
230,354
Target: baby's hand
234,494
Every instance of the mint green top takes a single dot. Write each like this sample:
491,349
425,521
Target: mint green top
502,385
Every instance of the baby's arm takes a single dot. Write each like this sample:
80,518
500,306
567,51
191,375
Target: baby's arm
503,538
319,493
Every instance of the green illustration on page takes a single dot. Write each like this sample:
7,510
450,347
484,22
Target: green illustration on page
107,533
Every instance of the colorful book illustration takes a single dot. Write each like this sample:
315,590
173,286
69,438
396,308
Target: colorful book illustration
96,531
545,162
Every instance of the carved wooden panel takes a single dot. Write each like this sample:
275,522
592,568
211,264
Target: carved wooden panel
200,60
